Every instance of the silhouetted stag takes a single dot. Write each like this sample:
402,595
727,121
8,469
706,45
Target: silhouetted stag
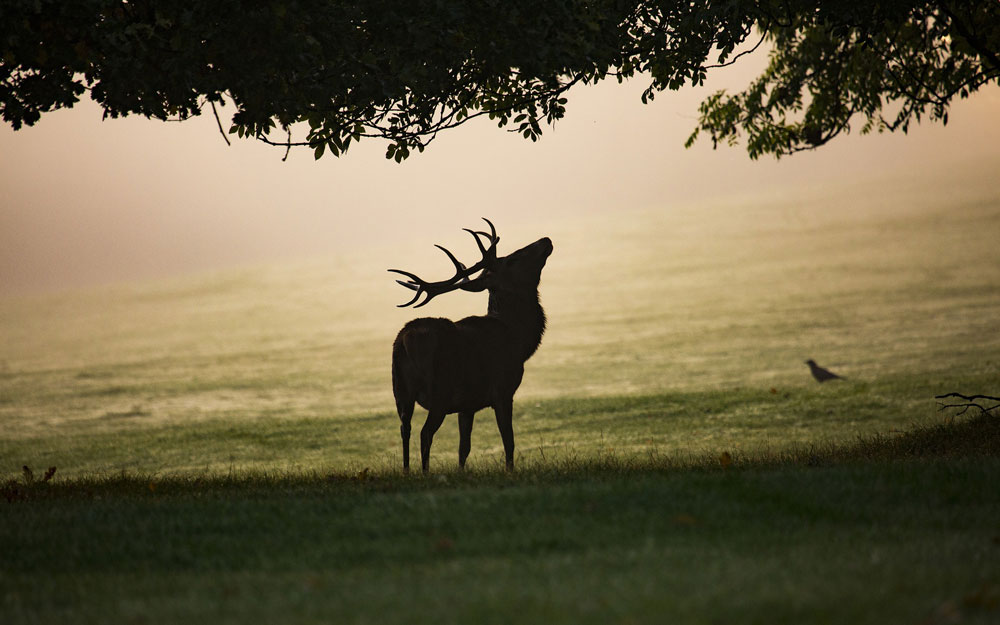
464,366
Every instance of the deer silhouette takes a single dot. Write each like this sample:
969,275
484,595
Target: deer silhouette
467,365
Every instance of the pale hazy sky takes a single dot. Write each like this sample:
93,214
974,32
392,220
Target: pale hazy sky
85,201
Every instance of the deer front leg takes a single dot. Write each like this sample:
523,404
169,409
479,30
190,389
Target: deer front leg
404,433
431,425
464,436
505,414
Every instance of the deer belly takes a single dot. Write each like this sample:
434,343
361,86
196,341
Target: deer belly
455,397
466,388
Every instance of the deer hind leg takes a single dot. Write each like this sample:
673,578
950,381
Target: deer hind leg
464,436
505,414
431,425
405,410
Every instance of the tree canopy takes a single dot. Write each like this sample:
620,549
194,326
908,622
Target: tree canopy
327,73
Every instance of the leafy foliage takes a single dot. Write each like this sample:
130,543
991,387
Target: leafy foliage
404,71
891,63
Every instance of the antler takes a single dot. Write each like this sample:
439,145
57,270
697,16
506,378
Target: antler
461,278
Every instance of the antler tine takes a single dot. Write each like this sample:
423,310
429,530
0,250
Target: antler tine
493,242
493,231
475,235
491,236
459,267
415,285
413,277
415,298
429,297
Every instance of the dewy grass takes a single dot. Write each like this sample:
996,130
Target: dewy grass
673,424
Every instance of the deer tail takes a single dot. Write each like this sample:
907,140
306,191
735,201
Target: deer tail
413,361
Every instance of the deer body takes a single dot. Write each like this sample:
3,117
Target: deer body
467,365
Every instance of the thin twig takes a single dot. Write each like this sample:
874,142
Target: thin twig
219,122
740,55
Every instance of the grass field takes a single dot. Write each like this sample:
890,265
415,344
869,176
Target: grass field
226,450
891,529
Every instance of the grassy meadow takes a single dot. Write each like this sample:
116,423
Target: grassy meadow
226,447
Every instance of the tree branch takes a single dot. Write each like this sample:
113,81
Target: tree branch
219,123
990,56
970,402
742,54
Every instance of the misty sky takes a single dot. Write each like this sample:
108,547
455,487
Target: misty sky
85,201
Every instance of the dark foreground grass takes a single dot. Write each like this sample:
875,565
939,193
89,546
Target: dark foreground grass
892,529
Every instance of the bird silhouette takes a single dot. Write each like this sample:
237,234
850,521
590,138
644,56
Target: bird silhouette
821,374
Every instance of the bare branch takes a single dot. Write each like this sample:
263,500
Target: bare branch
970,402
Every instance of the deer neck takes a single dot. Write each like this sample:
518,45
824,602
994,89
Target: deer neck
523,313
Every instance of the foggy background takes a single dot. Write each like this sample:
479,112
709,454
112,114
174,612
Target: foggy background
86,202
